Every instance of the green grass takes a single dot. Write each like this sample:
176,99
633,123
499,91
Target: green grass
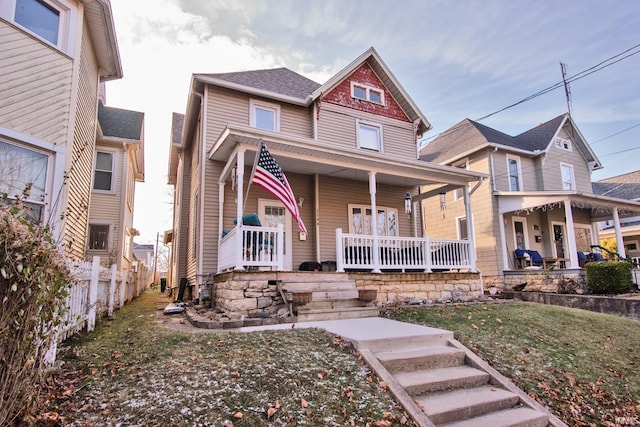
584,366
133,371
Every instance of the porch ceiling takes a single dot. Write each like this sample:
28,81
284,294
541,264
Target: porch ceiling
601,206
308,156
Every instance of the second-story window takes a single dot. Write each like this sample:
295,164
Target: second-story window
264,116
367,93
369,135
103,174
568,180
515,173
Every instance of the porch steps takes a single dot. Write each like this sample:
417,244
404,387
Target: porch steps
455,388
334,297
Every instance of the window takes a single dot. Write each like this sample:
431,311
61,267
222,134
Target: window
367,93
462,228
521,238
23,169
631,246
568,180
39,17
515,174
103,175
99,237
264,116
563,144
369,135
360,220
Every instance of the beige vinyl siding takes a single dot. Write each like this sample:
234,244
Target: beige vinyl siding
82,154
195,194
337,128
530,177
183,190
552,175
335,197
35,88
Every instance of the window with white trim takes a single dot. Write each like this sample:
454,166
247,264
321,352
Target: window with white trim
461,222
24,175
50,20
563,144
568,179
103,173
99,237
263,115
515,173
360,220
367,93
369,135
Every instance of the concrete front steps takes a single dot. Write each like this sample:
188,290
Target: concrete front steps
334,297
442,383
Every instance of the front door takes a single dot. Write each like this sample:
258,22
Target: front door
272,213
520,235
558,239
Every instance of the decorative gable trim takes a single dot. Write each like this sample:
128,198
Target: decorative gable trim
364,77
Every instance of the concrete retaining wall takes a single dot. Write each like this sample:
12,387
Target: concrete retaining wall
618,306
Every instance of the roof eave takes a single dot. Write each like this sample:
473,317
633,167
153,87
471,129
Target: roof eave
102,30
252,91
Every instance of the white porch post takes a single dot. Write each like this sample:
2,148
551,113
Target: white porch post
220,219
374,223
503,240
619,239
571,235
470,234
239,210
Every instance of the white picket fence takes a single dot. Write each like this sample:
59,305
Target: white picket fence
96,291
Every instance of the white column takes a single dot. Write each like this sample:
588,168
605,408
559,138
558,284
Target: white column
619,239
220,220
470,233
240,210
374,223
571,236
503,240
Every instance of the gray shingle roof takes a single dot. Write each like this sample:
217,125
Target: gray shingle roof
467,135
120,123
279,80
625,186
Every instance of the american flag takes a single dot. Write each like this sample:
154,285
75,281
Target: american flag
268,175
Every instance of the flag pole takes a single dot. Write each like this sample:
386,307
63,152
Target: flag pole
253,171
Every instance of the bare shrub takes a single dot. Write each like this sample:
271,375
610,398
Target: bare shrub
33,283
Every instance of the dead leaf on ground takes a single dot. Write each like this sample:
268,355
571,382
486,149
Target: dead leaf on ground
303,402
238,415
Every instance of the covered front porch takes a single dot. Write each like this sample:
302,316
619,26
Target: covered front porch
556,231
361,210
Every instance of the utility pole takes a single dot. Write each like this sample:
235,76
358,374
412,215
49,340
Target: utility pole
567,90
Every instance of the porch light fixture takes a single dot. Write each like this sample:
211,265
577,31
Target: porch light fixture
407,203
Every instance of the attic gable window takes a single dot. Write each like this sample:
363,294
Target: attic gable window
563,144
367,93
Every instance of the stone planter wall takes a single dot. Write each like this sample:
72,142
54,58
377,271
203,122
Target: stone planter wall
555,281
399,288
248,298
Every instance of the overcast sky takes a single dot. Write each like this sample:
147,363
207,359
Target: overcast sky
456,59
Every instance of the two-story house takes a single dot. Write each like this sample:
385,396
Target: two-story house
347,150
118,165
625,186
539,196
53,56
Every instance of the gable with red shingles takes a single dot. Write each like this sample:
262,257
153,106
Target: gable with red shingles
341,95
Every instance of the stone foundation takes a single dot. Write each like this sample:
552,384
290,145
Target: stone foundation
555,281
437,287
248,298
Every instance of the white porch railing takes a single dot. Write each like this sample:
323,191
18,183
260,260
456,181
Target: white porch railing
254,247
355,251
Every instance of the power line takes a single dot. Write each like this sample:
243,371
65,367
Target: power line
584,73
614,134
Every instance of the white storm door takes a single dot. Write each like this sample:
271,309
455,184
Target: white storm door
272,213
